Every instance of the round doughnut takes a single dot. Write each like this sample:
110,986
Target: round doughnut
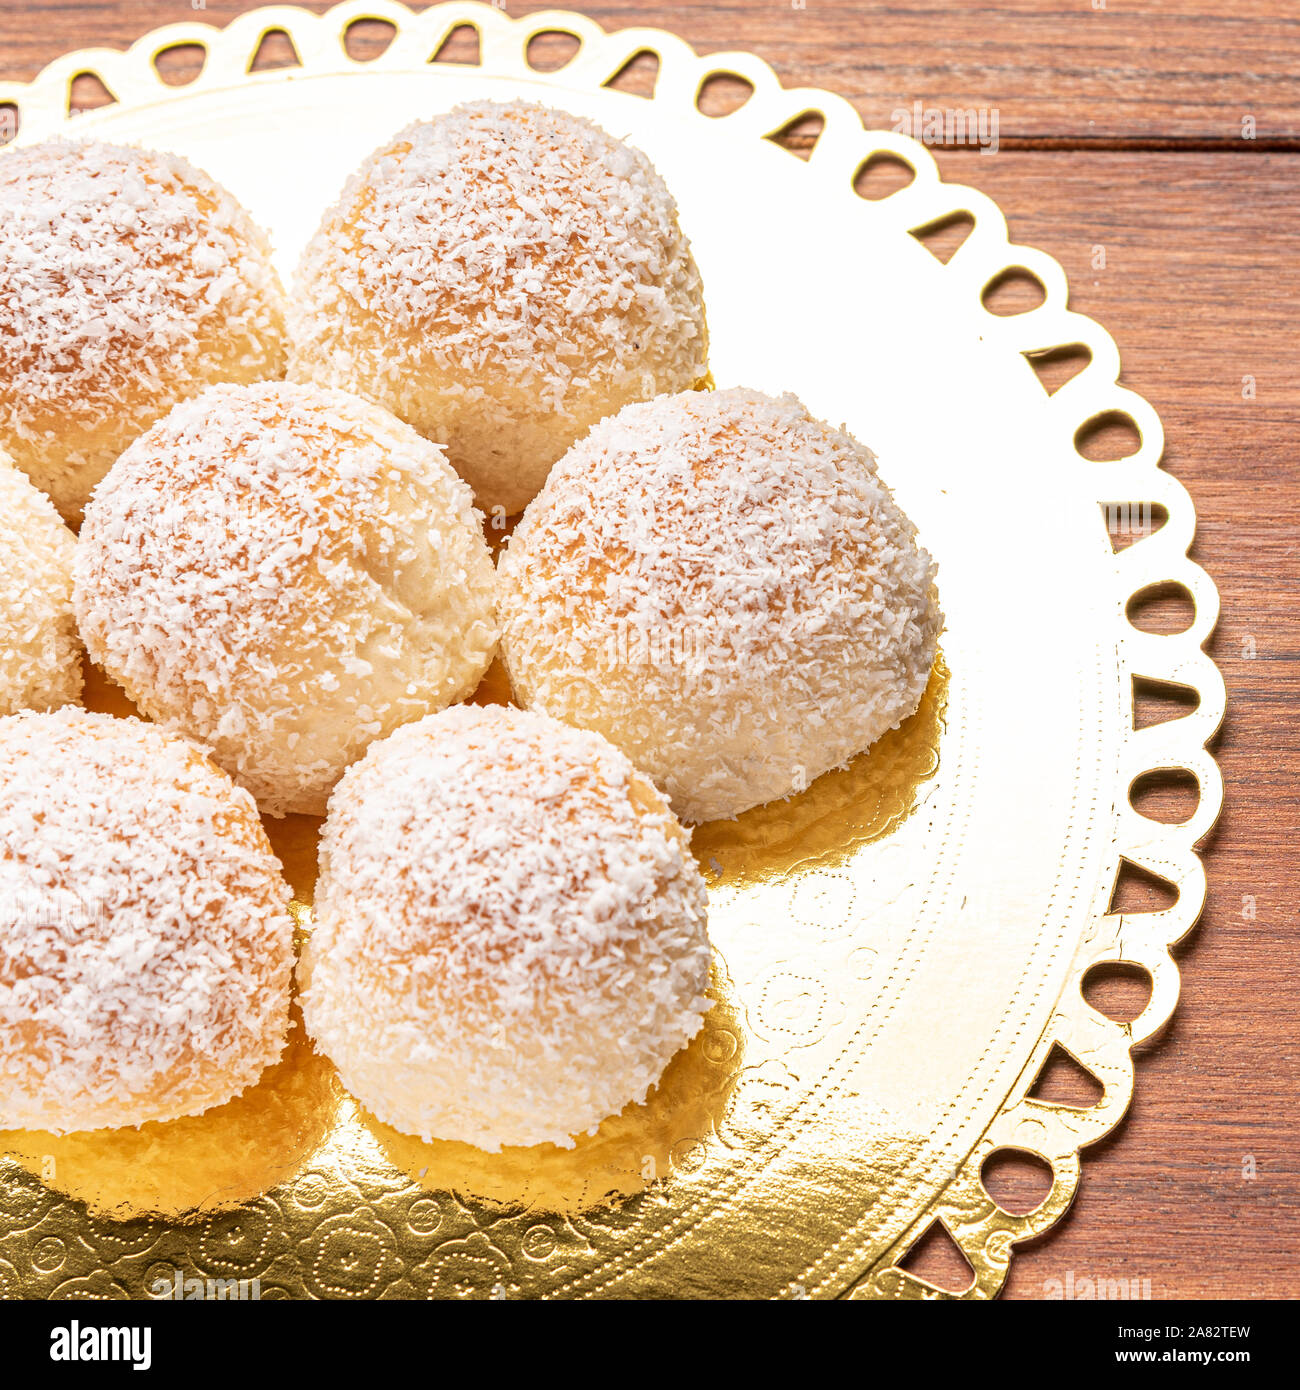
502,277
510,936
723,587
40,652
147,953
129,280
285,573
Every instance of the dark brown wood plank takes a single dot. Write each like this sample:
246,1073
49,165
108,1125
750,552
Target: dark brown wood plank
1177,72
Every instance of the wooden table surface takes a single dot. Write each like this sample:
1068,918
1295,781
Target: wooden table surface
1168,133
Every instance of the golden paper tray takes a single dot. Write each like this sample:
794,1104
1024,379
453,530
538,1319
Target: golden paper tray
898,949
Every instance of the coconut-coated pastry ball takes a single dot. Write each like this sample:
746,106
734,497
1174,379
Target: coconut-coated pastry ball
286,573
723,587
146,955
40,652
502,277
510,936
129,280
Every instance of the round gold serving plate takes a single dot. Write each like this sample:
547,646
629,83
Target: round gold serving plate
901,946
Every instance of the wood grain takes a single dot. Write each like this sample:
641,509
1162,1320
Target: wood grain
1120,131
1074,72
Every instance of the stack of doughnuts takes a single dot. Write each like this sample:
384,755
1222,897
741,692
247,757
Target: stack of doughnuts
266,517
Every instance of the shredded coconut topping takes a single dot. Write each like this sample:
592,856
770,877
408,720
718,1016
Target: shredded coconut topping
146,947
128,281
510,940
502,277
724,587
40,653
286,573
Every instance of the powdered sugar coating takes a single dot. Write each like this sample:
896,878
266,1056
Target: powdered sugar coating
501,277
510,936
147,949
286,573
129,280
40,652
723,587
